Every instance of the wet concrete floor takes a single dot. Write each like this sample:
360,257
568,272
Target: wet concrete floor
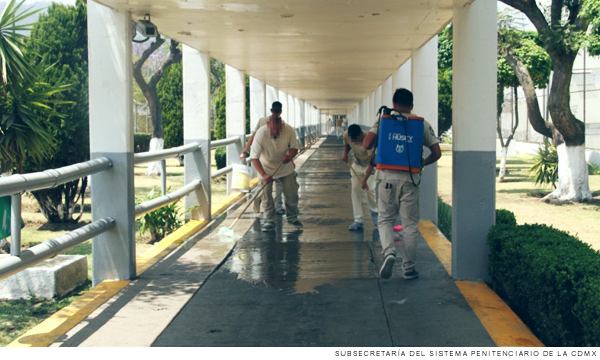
320,286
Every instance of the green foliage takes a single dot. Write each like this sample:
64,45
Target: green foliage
170,95
550,279
220,130
545,169
160,222
593,169
445,48
60,38
221,157
505,217
445,219
141,142
444,100
524,45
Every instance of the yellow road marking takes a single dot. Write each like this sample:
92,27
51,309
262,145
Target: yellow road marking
501,323
49,330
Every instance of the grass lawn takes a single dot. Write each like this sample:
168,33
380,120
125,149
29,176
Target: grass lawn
519,195
17,317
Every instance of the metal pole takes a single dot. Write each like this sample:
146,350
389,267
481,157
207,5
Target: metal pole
163,176
15,225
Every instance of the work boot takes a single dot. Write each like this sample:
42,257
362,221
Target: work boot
281,211
388,266
296,223
411,274
268,226
355,226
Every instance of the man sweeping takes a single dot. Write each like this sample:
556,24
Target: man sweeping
273,149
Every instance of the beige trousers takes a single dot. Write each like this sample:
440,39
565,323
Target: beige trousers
399,196
289,187
358,194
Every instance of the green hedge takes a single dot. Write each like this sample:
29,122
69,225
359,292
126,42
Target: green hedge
550,279
221,157
505,217
141,142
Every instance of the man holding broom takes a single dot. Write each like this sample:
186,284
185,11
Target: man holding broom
273,149
353,140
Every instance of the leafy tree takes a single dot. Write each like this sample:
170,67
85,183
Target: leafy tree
564,28
20,129
444,80
60,38
220,110
170,95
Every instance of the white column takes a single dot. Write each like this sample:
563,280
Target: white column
378,97
235,114
297,115
272,94
474,142
387,93
291,111
111,136
424,85
283,100
402,77
373,108
196,128
258,102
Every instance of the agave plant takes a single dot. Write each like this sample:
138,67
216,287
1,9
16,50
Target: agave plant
545,169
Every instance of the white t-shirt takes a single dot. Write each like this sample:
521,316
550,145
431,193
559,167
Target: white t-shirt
271,151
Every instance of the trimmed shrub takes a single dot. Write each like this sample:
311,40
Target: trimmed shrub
445,218
221,157
505,217
141,142
550,279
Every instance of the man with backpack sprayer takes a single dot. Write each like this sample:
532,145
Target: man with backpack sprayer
400,139
353,139
274,144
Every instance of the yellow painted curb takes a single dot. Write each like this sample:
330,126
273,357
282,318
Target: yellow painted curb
66,318
49,330
504,327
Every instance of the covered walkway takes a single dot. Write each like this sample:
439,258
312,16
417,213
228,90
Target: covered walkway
318,287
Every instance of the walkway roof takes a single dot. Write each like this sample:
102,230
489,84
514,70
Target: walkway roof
330,53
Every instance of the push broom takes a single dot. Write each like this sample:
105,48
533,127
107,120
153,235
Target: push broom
228,230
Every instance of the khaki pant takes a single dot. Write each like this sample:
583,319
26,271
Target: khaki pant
358,194
290,187
399,196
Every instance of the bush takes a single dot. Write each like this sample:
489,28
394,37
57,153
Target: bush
505,217
545,169
221,157
445,218
550,279
593,169
141,142
160,222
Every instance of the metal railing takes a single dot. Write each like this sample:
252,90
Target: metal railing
17,184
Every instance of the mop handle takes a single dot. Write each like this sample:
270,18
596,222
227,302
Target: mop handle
254,198
360,181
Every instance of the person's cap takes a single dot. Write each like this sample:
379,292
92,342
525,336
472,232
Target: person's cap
276,106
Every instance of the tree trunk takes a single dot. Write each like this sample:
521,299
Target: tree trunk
502,172
573,176
58,204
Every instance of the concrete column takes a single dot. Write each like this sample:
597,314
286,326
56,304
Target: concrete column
378,97
373,108
111,135
196,128
272,94
291,111
474,123
258,102
387,93
283,99
297,114
403,77
424,85
235,101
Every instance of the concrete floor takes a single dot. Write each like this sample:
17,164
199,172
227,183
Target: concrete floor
316,287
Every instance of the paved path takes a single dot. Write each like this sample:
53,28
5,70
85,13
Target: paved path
318,287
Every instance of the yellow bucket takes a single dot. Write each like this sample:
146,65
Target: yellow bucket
241,178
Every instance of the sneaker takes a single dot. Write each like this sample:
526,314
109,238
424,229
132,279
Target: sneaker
296,223
269,226
412,274
355,226
375,217
388,265
281,211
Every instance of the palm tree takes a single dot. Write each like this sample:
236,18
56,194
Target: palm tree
22,97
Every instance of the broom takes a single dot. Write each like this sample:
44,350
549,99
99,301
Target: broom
228,230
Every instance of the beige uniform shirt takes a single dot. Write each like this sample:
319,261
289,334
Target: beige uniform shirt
271,151
361,155
429,139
